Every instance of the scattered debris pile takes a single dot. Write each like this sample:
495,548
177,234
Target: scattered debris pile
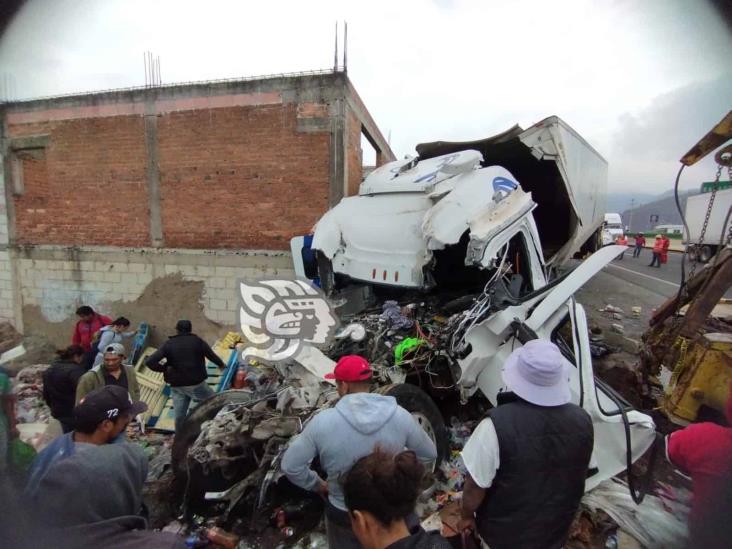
32,412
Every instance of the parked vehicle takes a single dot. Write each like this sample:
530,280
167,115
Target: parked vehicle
717,231
613,225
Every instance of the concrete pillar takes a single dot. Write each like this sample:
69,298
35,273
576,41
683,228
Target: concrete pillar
338,158
153,174
11,309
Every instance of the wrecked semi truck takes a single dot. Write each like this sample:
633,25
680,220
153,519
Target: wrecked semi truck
476,237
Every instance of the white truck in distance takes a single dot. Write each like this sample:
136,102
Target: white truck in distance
612,228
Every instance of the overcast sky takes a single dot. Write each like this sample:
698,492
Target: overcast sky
642,81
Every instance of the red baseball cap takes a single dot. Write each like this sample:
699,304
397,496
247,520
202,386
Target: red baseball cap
351,368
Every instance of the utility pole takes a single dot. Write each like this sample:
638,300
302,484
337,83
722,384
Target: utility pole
630,216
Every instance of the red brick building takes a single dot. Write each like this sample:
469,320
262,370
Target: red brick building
204,175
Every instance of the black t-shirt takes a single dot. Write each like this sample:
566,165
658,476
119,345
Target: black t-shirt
109,379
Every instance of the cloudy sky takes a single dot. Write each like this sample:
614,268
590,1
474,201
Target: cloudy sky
642,81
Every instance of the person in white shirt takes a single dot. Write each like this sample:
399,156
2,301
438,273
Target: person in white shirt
527,462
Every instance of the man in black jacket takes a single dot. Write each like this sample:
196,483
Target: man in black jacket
59,385
184,365
527,462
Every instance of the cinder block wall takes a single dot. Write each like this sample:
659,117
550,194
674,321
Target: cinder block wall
157,286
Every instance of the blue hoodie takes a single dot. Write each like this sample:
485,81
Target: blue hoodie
342,435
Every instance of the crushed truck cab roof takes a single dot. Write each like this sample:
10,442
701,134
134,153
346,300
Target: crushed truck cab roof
407,210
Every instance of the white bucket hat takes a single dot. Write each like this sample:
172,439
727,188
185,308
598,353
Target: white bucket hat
537,373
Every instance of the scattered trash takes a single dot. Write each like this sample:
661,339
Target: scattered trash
636,311
618,329
407,346
598,350
612,309
28,390
617,316
395,317
221,537
159,463
12,354
659,523
354,331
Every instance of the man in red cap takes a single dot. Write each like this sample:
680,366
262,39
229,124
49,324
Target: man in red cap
341,435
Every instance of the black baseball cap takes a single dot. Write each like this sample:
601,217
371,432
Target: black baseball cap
183,326
109,402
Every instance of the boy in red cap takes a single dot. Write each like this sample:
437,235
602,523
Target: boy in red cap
340,436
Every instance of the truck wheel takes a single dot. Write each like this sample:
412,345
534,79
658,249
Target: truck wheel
424,410
205,411
705,254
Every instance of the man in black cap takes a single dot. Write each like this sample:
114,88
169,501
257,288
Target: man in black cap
183,360
99,418
91,496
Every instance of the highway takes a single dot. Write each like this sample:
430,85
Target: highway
663,281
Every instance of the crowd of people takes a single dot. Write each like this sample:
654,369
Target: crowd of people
526,462
659,251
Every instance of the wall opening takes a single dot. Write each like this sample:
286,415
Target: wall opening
368,155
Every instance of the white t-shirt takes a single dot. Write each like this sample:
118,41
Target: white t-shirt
480,454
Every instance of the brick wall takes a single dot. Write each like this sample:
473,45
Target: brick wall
241,177
230,177
87,186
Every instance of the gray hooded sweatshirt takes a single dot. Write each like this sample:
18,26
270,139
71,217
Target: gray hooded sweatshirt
342,435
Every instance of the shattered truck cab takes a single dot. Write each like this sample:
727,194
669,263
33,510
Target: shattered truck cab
503,215
481,233
426,221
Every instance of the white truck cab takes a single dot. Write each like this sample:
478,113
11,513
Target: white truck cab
500,215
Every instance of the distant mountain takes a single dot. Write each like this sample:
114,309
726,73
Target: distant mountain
639,219
620,201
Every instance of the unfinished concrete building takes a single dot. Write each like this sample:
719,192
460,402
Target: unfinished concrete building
151,202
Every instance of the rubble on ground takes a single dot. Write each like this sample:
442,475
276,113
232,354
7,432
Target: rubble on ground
32,412
404,341
9,337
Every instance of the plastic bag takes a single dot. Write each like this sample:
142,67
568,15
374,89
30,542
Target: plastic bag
21,454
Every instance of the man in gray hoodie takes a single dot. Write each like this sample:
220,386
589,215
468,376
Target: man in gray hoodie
342,435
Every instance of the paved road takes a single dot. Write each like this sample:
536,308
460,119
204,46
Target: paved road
663,281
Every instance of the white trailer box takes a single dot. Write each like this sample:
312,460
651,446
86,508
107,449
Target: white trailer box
696,211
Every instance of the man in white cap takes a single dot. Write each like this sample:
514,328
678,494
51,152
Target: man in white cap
112,372
527,462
